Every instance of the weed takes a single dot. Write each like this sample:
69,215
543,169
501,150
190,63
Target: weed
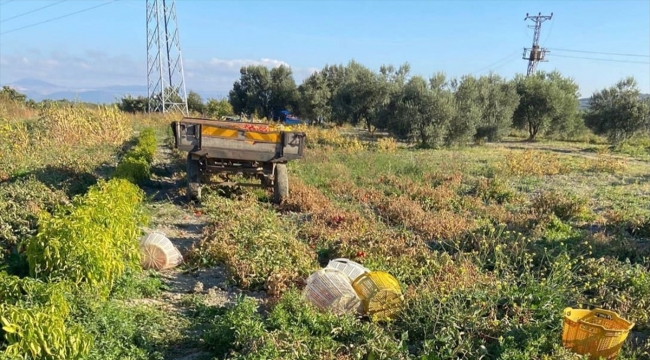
532,163
564,205
387,144
256,247
78,125
296,330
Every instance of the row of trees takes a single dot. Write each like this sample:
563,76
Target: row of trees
195,104
440,111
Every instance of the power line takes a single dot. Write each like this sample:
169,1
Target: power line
550,31
509,57
600,53
32,11
7,2
57,18
600,59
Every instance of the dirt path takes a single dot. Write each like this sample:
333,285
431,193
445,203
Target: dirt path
183,224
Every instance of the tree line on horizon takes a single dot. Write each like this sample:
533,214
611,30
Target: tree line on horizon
440,111
435,111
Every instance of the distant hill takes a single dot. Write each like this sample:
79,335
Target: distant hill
584,103
39,90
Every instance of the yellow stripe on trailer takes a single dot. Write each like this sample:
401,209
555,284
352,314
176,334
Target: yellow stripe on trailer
219,132
266,137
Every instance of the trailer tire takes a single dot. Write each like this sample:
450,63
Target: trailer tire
280,183
193,180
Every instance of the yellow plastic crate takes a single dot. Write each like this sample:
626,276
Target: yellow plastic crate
597,333
380,294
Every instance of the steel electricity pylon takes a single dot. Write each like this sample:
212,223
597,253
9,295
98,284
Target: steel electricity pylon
535,54
165,76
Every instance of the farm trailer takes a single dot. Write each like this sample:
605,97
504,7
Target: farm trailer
250,149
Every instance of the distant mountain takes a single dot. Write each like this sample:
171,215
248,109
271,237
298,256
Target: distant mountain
39,90
584,103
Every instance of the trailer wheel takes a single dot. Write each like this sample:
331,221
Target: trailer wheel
280,183
193,180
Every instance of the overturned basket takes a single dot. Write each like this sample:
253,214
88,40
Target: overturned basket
352,269
330,289
597,333
380,293
157,252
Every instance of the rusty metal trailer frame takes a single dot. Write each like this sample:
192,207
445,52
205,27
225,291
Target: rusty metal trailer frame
220,147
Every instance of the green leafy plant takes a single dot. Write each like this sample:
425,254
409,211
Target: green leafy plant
135,166
93,240
33,316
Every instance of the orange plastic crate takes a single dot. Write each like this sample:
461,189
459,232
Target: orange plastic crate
597,333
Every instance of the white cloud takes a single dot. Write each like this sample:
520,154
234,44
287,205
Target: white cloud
94,69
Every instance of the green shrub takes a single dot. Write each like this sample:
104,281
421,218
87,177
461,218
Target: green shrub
147,144
20,203
33,316
135,166
93,240
134,169
564,205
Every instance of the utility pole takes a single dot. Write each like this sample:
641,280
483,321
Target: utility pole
165,76
535,54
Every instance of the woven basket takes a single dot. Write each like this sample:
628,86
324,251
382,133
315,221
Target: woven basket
352,269
330,289
380,294
157,252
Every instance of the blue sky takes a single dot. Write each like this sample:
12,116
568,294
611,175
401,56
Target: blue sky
106,46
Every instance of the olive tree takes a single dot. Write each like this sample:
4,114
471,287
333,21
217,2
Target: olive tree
618,112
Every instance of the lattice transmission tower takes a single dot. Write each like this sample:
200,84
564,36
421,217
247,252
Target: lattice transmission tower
535,54
165,76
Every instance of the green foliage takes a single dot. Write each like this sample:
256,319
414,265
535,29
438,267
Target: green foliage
315,97
124,331
93,240
133,105
547,101
195,103
296,330
360,96
427,109
147,144
34,322
217,108
261,91
564,205
135,166
499,100
20,203
135,284
237,329
618,112
484,108
258,251
11,94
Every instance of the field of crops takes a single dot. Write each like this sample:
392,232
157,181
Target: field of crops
490,244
